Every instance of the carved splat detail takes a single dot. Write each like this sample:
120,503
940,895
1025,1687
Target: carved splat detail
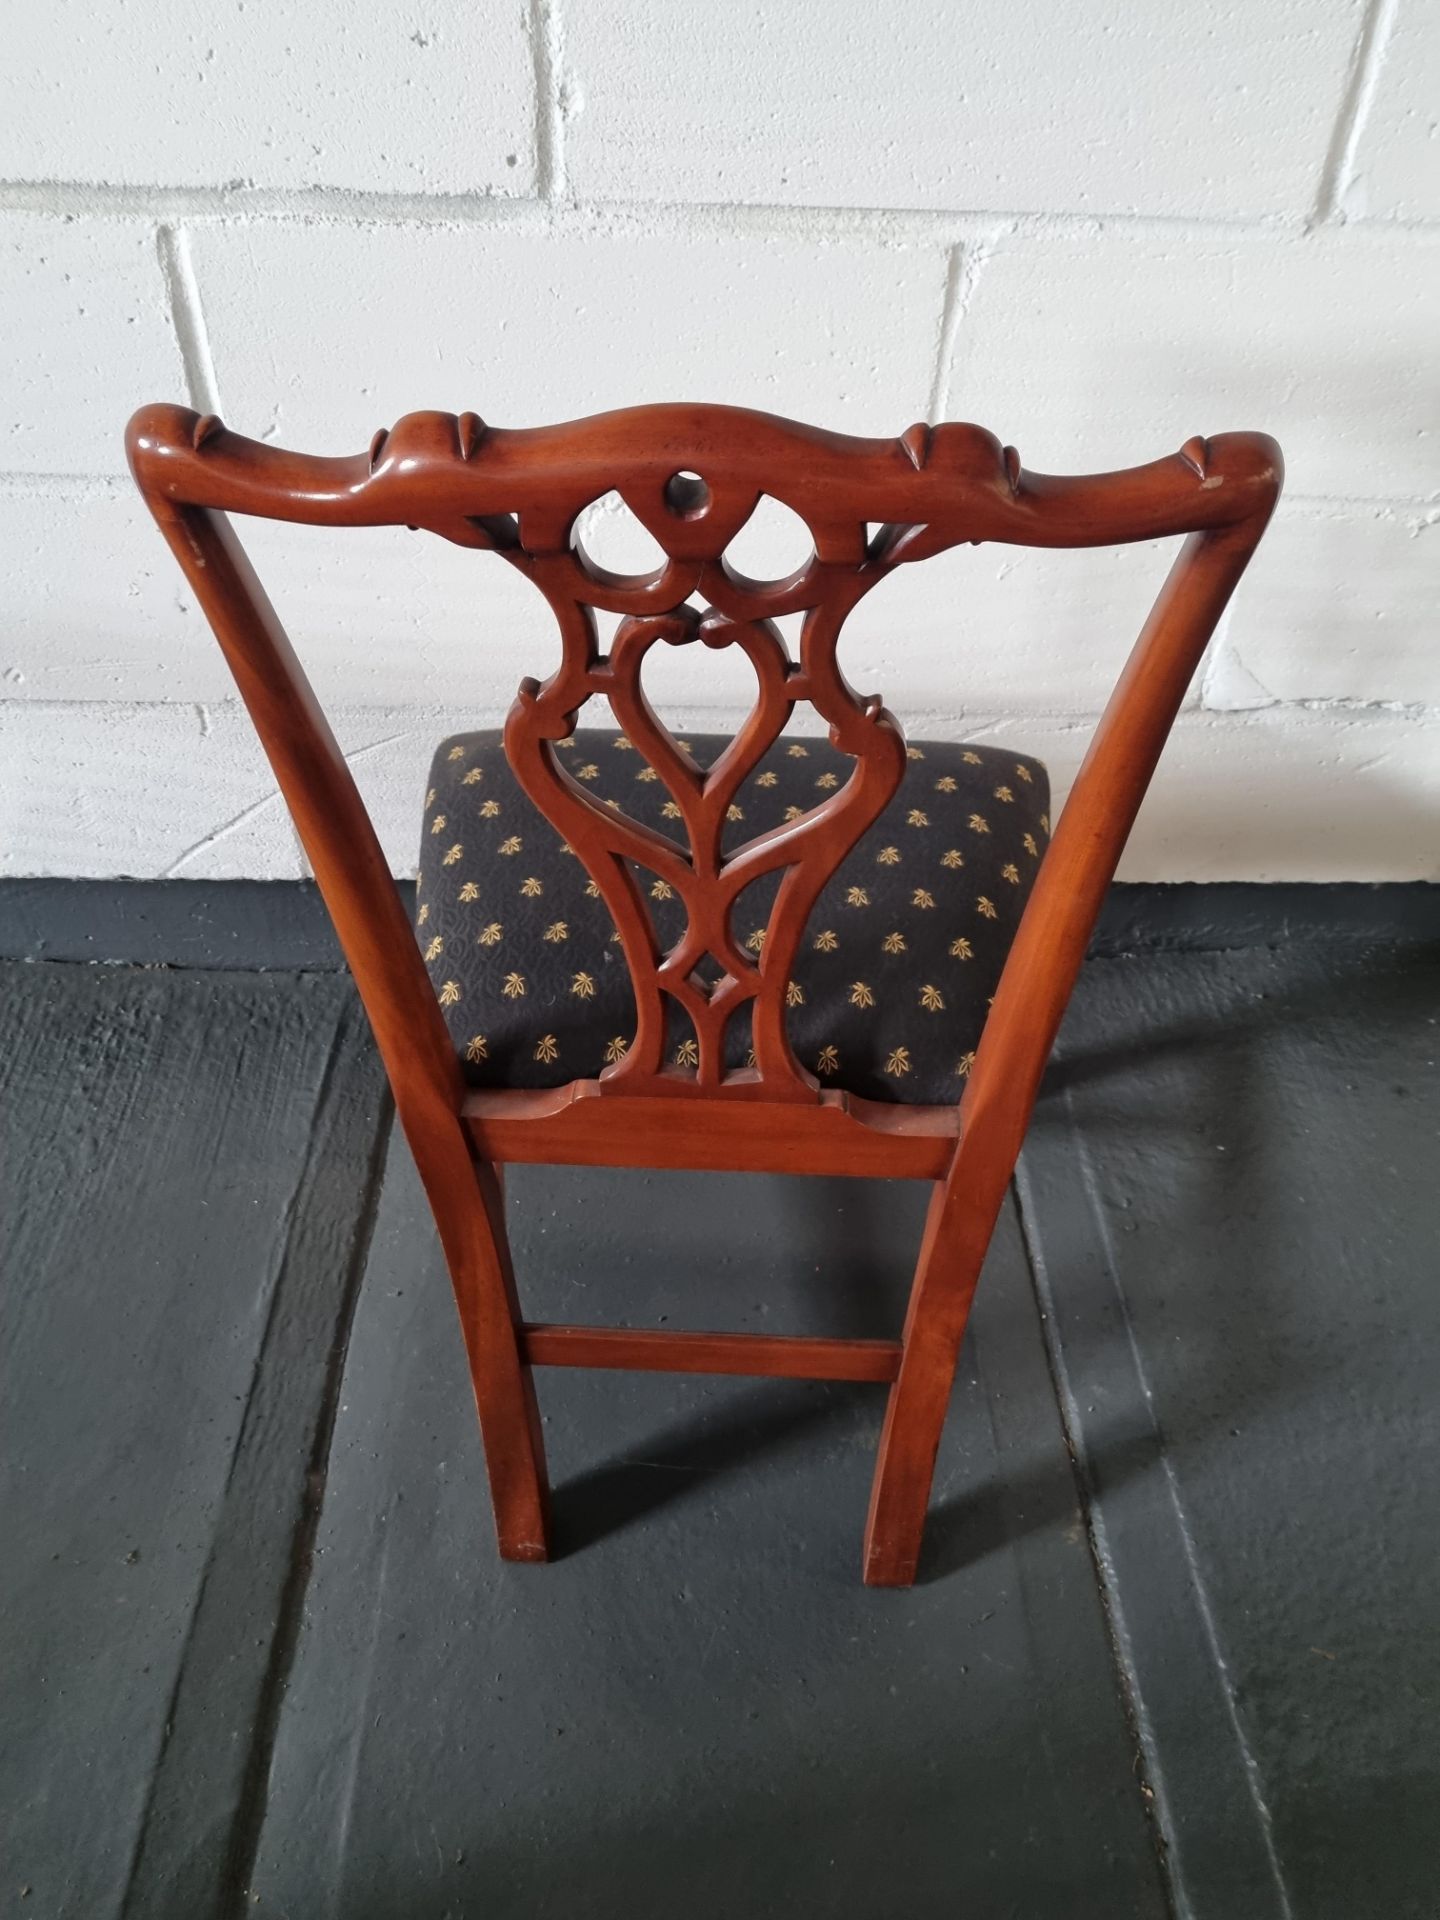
807,851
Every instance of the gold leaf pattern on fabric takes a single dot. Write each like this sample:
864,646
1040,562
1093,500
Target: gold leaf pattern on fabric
558,1006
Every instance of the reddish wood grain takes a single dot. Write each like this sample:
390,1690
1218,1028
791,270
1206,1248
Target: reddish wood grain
574,1126
693,475
646,1350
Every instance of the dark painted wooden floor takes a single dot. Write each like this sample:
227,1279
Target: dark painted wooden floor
1174,1650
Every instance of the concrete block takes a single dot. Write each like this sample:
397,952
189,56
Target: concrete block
1283,794
376,614
1098,348
525,328
86,325
990,629
146,791
435,99
1340,605
1396,169
122,626
994,105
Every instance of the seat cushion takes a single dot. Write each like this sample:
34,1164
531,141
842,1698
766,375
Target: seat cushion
896,967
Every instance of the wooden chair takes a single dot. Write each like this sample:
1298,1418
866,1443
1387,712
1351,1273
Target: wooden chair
692,475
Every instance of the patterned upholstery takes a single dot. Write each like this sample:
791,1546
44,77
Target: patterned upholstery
897,964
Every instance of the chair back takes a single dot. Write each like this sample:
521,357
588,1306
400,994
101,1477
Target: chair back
693,476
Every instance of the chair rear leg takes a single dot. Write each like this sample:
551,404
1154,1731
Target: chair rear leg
957,1233
468,1203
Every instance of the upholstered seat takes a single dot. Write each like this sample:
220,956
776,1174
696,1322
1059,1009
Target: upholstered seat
897,965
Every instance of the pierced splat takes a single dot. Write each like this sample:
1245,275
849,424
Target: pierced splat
806,851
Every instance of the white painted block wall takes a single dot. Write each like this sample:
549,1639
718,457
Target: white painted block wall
1097,227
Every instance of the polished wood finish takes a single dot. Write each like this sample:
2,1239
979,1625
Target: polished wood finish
574,1126
692,475
645,1350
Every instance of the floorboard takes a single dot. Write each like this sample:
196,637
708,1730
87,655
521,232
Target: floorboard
186,1170
1231,1194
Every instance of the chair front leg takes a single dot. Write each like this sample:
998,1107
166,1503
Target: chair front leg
958,1226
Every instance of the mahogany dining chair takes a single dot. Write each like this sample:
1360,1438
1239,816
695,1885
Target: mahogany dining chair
772,952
